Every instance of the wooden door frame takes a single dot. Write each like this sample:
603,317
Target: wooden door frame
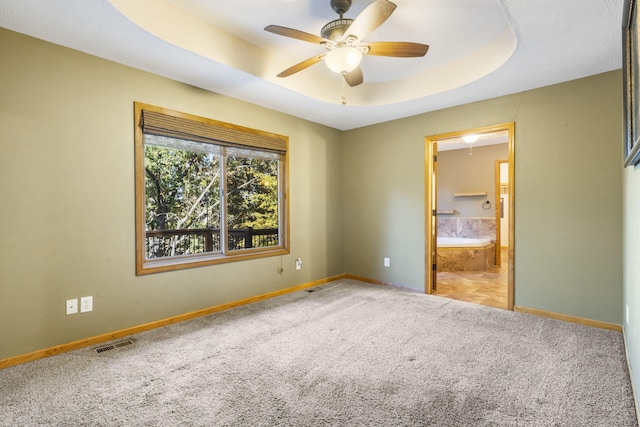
431,202
499,208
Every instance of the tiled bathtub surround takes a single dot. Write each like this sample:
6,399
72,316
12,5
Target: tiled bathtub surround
466,259
470,228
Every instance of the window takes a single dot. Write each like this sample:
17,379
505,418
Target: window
207,192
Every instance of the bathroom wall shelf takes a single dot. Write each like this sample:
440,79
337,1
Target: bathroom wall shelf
471,194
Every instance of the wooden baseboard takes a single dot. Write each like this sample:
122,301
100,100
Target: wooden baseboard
367,280
566,318
379,282
75,345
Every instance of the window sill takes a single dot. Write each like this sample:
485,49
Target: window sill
192,261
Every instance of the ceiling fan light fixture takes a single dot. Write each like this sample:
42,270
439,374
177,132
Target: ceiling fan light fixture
343,59
343,40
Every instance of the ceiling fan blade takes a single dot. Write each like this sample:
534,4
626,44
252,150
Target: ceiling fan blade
369,19
355,77
397,49
295,34
302,65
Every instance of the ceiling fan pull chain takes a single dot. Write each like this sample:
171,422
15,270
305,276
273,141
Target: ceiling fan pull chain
344,96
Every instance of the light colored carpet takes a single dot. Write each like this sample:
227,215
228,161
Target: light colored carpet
347,353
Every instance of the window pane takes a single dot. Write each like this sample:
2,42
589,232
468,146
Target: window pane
252,202
182,198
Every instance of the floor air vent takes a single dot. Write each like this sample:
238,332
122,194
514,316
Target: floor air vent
113,346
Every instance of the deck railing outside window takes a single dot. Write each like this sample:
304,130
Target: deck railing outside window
163,243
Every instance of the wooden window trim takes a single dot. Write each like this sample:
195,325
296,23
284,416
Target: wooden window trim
166,122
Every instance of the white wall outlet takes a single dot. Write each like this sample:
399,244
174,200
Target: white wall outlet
387,262
86,304
298,263
72,306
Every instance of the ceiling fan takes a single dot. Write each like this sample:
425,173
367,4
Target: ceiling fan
344,40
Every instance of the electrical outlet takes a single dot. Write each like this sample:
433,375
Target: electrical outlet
86,304
72,306
298,263
387,262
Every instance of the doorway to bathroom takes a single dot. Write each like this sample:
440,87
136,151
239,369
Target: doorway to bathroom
469,215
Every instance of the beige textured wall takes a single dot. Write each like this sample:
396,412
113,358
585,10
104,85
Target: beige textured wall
568,177
459,172
67,216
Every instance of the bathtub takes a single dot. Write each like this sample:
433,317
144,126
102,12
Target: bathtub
462,254
462,242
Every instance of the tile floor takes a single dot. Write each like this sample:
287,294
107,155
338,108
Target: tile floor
480,287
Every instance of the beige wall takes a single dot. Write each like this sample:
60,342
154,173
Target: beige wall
459,172
568,176
67,216
66,164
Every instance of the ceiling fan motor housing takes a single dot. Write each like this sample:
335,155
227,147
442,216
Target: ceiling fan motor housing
335,29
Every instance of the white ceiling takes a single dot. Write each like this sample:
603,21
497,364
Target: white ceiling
479,49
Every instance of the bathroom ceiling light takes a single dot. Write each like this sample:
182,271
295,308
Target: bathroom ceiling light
471,138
